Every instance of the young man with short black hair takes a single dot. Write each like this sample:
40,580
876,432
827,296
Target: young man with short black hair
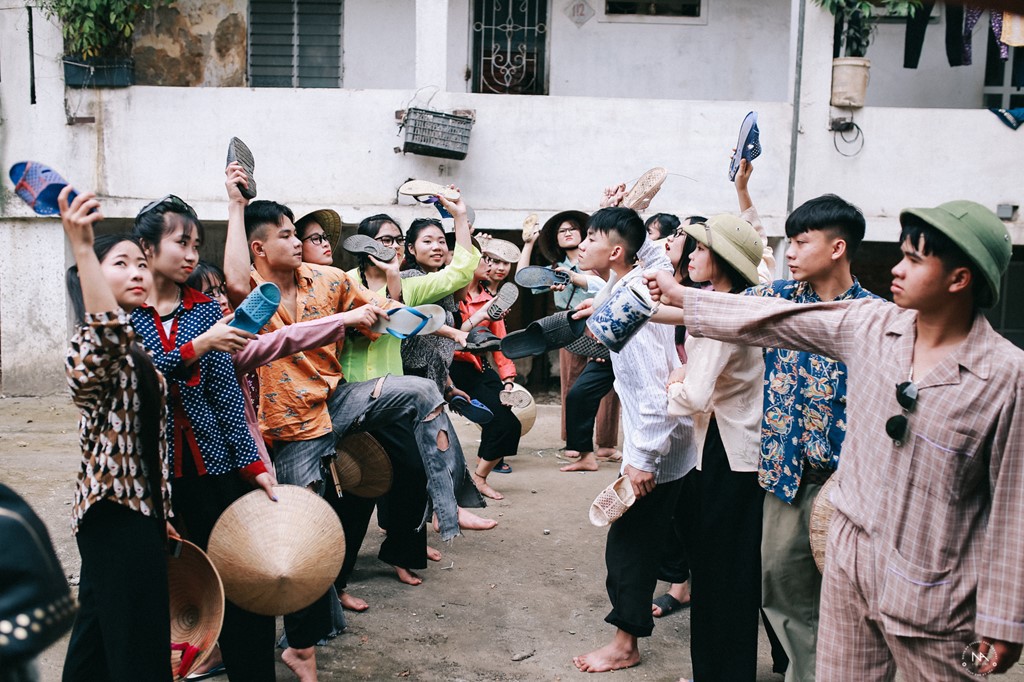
658,449
924,567
804,424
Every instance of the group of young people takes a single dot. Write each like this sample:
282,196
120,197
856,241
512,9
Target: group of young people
732,401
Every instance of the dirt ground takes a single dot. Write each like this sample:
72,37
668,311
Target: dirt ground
514,603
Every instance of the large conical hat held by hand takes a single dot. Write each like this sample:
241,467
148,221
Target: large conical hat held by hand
277,557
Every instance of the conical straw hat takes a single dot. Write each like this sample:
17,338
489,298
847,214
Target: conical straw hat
821,516
362,466
277,557
197,605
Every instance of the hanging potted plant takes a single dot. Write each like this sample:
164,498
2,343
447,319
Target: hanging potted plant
854,29
98,39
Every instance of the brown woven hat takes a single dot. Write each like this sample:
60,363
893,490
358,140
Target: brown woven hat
548,239
362,466
197,608
821,516
277,557
326,218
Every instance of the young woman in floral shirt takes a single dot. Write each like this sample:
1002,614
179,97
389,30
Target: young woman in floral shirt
122,499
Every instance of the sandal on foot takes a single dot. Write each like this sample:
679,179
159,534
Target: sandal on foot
614,457
508,293
669,604
503,468
473,410
360,243
237,151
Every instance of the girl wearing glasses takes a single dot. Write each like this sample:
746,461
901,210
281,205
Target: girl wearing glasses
319,232
212,452
122,498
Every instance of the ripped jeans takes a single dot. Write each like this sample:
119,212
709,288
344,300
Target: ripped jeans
380,404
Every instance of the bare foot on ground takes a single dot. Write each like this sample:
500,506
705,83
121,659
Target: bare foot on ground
408,577
486,490
302,662
352,603
612,656
587,462
570,454
470,521
433,554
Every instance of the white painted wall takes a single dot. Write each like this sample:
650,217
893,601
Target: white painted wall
703,61
379,43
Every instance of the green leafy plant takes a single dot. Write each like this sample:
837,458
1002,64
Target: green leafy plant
854,25
98,28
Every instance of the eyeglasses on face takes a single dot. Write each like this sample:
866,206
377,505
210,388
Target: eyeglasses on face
316,238
897,427
216,291
388,240
172,201
567,230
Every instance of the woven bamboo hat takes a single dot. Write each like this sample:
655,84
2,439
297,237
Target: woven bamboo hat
326,218
277,557
197,608
821,516
362,467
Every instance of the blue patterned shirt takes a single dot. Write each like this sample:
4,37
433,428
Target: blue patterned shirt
804,420
205,400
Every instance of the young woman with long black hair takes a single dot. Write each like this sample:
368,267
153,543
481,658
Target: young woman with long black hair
122,499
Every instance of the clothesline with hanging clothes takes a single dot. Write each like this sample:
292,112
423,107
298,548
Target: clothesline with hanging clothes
1007,31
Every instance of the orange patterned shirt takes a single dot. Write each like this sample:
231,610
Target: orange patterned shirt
294,389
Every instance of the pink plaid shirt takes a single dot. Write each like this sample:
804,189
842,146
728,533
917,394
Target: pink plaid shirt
945,509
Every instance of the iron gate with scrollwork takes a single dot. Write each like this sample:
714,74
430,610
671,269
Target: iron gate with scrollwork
510,46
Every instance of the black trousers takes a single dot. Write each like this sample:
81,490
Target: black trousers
917,24
246,639
675,561
400,511
725,567
123,628
633,554
500,436
582,402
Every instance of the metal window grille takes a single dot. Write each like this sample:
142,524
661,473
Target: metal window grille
655,8
510,46
999,91
295,44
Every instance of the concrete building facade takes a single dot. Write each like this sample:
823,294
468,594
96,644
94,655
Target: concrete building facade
620,94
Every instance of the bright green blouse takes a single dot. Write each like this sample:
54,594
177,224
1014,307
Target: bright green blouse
362,360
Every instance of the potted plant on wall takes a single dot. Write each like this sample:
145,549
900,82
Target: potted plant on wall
854,29
98,39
